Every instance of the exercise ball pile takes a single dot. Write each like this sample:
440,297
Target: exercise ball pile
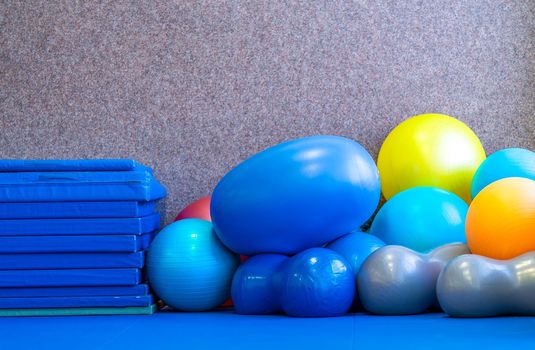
299,215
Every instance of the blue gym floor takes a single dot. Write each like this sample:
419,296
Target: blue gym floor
224,329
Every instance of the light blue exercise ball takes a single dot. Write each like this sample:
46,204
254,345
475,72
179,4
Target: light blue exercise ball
421,218
509,162
189,268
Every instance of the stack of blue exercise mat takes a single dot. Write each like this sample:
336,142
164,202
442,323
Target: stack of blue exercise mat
73,236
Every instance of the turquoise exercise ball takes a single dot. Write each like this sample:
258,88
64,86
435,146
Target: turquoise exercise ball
509,162
189,268
421,218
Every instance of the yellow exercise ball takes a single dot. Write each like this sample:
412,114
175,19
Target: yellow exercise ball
430,150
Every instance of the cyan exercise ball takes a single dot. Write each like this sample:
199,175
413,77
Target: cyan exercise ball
421,218
189,268
509,162
296,195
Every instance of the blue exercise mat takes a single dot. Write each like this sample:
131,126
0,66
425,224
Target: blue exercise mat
78,311
220,330
138,289
118,226
70,278
69,178
85,301
75,244
82,192
71,261
51,210
10,165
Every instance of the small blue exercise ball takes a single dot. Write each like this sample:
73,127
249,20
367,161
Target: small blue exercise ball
253,291
317,282
189,268
509,162
297,195
421,218
355,247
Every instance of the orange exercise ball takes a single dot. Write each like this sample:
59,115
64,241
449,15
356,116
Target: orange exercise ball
500,223
200,209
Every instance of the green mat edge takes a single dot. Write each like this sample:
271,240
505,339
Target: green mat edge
145,310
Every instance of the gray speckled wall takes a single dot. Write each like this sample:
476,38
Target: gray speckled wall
191,88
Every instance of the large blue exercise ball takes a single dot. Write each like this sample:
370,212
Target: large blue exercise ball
317,282
189,268
296,195
253,291
509,162
421,218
